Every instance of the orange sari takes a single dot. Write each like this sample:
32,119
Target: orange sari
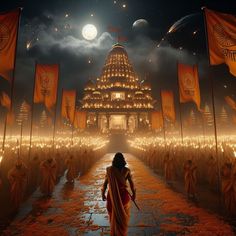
118,201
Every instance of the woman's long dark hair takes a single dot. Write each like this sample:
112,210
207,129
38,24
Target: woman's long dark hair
119,161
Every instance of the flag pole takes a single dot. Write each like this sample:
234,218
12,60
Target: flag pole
214,110
201,112
180,112
163,120
13,74
55,114
61,121
4,134
21,134
203,127
12,82
72,126
72,133
32,113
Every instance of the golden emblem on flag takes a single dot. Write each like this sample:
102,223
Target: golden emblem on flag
226,41
221,32
225,38
189,84
46,83
9,23
189,90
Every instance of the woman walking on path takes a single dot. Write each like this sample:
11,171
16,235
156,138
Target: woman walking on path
118,198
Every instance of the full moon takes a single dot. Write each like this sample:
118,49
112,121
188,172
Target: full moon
89,32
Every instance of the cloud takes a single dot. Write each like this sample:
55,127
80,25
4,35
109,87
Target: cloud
56,40
75,45
62,46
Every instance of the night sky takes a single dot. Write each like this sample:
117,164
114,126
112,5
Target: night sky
50,32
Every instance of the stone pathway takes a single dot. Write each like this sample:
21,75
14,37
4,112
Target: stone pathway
77,209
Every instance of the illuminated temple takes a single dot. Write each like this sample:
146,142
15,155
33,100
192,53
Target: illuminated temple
117,100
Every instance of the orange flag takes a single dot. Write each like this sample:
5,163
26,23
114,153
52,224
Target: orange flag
5,101
9,23
68,105
156,120
230,102
10,117
189,84
221,32
168,107
46,82
80,120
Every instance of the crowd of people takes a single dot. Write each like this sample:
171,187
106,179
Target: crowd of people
21,175
193,165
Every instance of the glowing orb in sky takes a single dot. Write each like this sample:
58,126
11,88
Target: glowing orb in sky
89,32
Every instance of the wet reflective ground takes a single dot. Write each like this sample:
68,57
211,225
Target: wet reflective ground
77,209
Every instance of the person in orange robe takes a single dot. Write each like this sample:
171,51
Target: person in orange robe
190,178
169,172
17,177
118,198
71,169
228,185
48,169
212,172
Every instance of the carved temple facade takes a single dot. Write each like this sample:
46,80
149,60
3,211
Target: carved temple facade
118,100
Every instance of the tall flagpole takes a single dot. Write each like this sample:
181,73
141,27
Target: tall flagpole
163,120
203,127
32,112
12,83
13,75
61,121
72,127
214,110
180,110
21,134
4,134
55,113
201,112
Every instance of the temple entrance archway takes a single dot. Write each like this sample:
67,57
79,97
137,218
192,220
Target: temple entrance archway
118,122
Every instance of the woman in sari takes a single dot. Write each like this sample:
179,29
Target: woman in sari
118,197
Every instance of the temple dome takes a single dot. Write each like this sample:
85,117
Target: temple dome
118,66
